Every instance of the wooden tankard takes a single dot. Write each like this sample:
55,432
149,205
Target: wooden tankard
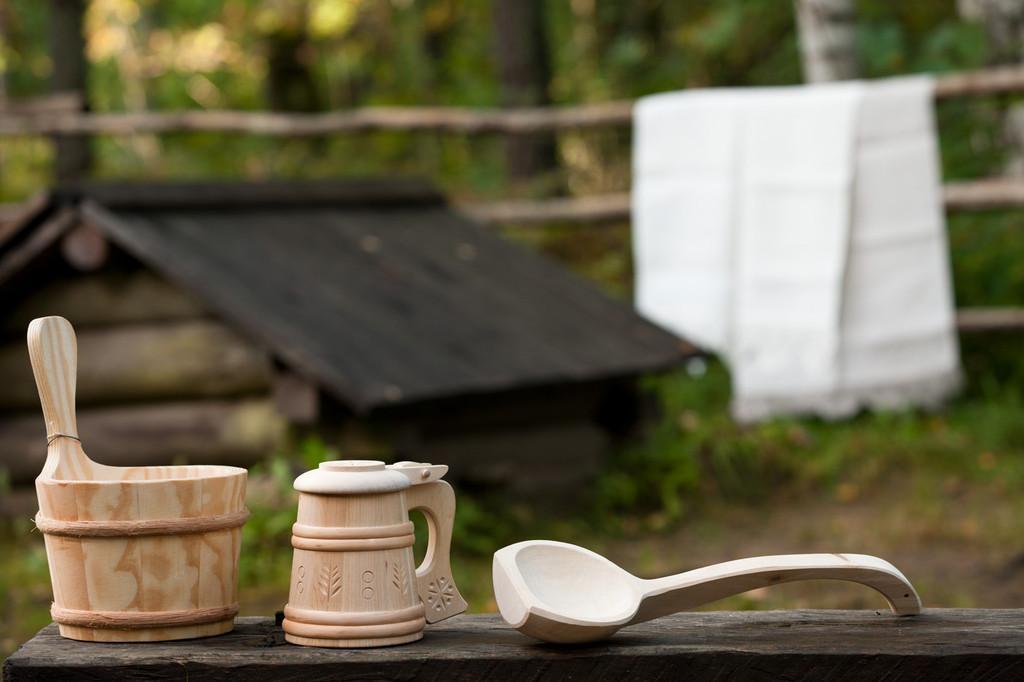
354,582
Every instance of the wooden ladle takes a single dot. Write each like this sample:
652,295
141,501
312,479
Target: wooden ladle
557,592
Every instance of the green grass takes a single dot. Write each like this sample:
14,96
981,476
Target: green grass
697,452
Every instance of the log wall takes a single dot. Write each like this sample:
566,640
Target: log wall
148,362
103,300
233,432
160,380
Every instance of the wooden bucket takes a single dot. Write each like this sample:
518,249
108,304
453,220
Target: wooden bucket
135,553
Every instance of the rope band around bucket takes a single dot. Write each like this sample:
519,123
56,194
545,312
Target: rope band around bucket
135,528
138,620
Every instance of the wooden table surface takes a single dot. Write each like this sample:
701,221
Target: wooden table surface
939,644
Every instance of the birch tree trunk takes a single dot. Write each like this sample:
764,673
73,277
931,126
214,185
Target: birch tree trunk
1004,27
827,32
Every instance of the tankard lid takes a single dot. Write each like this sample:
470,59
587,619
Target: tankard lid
351,477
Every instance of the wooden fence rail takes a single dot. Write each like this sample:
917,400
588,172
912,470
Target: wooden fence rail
989,319
973,195
976,195
60,114
49,120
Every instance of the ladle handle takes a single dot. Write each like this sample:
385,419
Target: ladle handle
434,581
53,350
711,583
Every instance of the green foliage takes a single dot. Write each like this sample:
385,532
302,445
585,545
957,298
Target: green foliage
695,451
696,454
24,584
271,501
183,54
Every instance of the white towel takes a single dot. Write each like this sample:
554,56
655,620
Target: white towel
799,232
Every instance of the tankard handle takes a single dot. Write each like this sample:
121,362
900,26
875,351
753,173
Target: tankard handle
434,582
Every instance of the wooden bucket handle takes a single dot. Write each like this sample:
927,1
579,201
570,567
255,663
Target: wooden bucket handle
53,351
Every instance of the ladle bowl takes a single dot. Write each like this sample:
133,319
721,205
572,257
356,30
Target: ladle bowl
558,592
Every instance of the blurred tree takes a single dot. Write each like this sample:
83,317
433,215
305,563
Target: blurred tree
438,20
1003,21
291,83
524,74
73,158
1004,25
828,39
4,49
179,54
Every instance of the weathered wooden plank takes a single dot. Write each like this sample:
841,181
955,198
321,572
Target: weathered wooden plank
9,212
16,217
41,238
983,194
396,305
967,195
102,300
602,208
297,398
55,102
989,319
376,191
187,359
463,120
991,81
940,644
199,432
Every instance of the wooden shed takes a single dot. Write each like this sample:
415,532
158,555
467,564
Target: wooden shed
214,320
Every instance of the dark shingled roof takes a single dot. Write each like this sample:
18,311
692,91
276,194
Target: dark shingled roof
379,291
